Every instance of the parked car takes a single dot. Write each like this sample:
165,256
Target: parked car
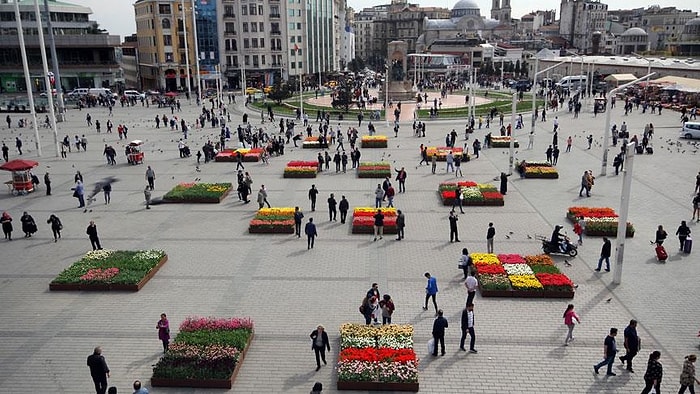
691,130
135,94
251,90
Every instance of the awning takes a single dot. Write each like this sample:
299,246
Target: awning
620,78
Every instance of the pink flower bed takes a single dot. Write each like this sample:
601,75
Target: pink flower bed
194,323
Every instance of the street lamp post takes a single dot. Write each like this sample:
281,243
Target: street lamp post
196,52
606,132
534,88
512,133
54,62
624,212
187,51
386,93
47,81
27,79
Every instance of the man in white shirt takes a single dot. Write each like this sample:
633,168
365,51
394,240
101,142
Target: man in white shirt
471,284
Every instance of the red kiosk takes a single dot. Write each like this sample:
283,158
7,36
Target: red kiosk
21,182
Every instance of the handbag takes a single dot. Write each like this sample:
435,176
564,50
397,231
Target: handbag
75,193
431,345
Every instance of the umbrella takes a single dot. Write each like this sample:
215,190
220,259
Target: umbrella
19,165
171,94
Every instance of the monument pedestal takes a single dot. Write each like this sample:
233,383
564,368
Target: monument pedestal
399,91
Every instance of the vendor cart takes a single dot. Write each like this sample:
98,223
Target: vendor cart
21,182
134,154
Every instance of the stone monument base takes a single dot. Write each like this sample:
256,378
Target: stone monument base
399,91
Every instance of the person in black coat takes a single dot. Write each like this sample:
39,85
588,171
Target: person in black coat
98,370
56,226
504,183
439,326
319,343
605,255
311,233
28,224
94,238
343,207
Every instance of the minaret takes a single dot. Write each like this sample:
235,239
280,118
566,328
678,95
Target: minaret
505,12
496,9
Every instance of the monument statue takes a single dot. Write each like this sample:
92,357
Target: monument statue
397,70
397,89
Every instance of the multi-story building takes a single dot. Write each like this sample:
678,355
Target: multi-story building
364,33
85,53
500,11
270,39
164,31
665,25
207,37
130,63
404,22
579,19
347,50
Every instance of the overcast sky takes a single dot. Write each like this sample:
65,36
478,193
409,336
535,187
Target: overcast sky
117,16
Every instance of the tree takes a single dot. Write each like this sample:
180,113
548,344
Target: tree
517,67
356,65
343,97
280,91
95,29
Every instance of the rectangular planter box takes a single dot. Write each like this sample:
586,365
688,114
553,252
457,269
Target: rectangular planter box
299,175
378,386
199,200
541,176
467,203
374,144
207,384
504,144
275,230
107,286
526,293
370,230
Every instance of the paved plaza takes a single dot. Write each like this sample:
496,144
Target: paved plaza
216,268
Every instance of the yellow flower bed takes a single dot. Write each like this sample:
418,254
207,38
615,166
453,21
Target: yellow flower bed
284,211
363,331
368,210
374,138
485,258
525,282
217,188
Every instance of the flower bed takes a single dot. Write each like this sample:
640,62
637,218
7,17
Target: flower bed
197,193
374,141
498,141
377,358
538,169
103,270
473,194
513,275
363,220
600,221
314,142
273,221
207,353
301,169
230,155
441,152
379,169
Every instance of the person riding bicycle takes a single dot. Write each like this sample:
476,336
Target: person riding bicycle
558,239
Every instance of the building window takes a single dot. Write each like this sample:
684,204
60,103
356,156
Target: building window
228,12
292,63
261,27
167,40
165,23
262,44
245,27
246,60
234,46
290,12
292,25
262,59
254,27
298,25
255,61
255,42
168,56
244,10
260,10
252,9
275,27
245,43
299,39
292,39
300,66
227,44
164,8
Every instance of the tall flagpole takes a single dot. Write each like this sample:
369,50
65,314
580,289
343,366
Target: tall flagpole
47,81
301,100
27,79
54,62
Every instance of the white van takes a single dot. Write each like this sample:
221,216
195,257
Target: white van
78,92
101,92
572,82
691,130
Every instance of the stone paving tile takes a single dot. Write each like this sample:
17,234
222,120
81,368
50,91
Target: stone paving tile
216,268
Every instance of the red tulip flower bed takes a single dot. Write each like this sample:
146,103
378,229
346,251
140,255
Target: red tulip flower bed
301,169
363,220
473,194
600,221
373,170
230,155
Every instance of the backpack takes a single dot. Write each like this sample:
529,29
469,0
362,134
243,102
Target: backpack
363,308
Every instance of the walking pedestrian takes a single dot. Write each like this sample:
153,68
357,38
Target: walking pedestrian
150,177
632,344
6,153
79,193
400,224
570,321
490,234
378,224
467,326
107,189
99,371
605,255
388,307
454,232
298,215
569,142
18,144
56,226
343,207
471,284
609,351
584,185
401,178
332,211
28,224
163,327
147,197
433,163
47,182
319,344
94,238
313,192
431,290
654,373
531,140
390,193
465,262
439,326
661,235
696,207
458,166
262,197
450,162
504,183
579,228
378,196
688,379
683,233
311,233
6,221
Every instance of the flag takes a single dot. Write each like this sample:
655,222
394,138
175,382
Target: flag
296,47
